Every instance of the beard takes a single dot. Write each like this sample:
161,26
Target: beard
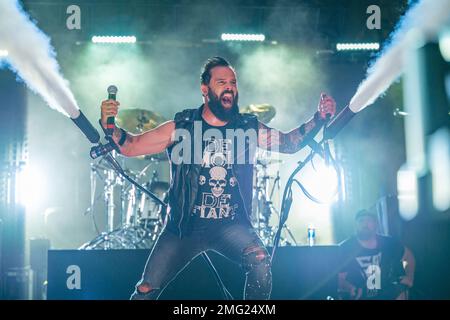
365,234
217,108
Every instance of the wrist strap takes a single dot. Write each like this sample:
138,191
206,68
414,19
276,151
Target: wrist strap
123,134
123,137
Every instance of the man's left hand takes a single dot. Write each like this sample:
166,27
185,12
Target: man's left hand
327,106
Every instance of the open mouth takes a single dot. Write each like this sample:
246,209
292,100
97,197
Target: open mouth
227,99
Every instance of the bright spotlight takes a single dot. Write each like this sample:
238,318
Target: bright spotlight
312,221
31,187
407,189
444,45
114,39
357,46
3,53
440,168
242,37
328,180
321,181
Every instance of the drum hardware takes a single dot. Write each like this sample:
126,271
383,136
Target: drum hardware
136,231
263,204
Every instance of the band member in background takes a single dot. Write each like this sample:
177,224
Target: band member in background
374,266
210,193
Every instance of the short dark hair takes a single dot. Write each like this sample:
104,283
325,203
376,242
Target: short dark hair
205,76
365,213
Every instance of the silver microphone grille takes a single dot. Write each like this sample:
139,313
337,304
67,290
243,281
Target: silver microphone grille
112,89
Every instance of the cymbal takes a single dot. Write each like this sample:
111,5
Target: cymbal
138,120
265,112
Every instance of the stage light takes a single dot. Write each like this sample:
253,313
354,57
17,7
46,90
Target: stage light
242,37
114,39
357,46
31,188
439,155
3,53
321,181
444,45
407,190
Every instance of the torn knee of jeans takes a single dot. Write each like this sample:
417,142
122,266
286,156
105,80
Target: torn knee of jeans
259,252
255,255
144,288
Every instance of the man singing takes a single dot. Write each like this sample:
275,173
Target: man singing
211,151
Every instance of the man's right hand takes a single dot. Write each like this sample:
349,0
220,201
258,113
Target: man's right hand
109,108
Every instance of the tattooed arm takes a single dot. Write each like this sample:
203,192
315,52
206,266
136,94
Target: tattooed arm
290,142
293,141
150,142
131,145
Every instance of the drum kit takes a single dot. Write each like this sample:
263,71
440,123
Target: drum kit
263,207
133,219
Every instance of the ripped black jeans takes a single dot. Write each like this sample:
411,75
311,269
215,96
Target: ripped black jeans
236,241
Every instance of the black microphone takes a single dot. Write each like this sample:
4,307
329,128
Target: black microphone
110,121
101,150
86,127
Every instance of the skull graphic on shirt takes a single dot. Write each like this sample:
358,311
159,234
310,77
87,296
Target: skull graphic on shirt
218,180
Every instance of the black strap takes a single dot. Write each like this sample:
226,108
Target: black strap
123,137
110,139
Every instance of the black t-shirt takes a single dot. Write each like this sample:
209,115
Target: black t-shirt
218,198
376,271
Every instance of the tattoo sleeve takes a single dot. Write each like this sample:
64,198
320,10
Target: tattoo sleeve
116,134
290,142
